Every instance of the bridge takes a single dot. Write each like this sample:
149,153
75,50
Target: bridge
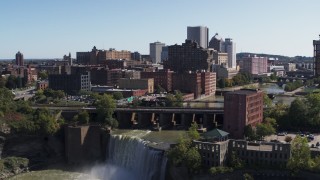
156,118
292,79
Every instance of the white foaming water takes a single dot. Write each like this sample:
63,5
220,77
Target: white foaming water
131,158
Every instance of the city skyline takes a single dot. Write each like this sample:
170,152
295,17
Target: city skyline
51,29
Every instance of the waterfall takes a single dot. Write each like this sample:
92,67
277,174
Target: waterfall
129,157
133,154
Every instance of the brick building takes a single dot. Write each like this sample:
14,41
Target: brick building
208,83
96,56
241,108
137,84
70,83
162,78
197,83
19,59
189,57
104,76
42,85
115,64
254,65
187,83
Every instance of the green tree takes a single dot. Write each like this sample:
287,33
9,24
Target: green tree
159,89
2,82
183,154
193,159
193,132
6,100
297,113
266,100
83,117
117,95
234,161
179,99
43,75
300,154
222,83
11,82
249,133
105,105
264,129
45,122
273,77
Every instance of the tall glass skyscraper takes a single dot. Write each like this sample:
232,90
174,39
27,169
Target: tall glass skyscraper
199,34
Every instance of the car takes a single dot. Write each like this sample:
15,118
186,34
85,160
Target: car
282,134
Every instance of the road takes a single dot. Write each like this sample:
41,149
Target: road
26,94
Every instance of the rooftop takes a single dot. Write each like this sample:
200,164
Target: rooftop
245,91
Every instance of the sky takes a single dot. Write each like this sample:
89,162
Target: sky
50,29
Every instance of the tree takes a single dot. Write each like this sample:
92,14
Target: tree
267,102
221,83
105,105
183,154
159,89
249,133
179,99
193,159
265,129
2,82
300,154
11,82
117,95
82,117
234,161
193,132
43,75
273,77
45,122
6,100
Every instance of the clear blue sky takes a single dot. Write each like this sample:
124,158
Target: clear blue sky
49,29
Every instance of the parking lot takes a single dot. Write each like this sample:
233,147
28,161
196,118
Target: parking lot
282,138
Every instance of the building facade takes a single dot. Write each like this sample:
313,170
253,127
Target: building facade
189,57
161,78
230,48
156,51
198,34
217,43
260,154
107,77
241,108
316,57
70,83
254,65
137,84
208,83
96,56
19,59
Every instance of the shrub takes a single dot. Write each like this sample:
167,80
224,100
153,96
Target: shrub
220,170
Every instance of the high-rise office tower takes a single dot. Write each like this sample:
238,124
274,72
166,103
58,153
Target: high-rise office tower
19,59
155,52
217,43
225,46
198,34
316,57
230,48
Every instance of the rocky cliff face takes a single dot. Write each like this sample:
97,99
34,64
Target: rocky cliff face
41,151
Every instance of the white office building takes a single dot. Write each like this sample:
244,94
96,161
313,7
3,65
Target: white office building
155,52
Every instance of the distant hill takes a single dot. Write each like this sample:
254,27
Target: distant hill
279,57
